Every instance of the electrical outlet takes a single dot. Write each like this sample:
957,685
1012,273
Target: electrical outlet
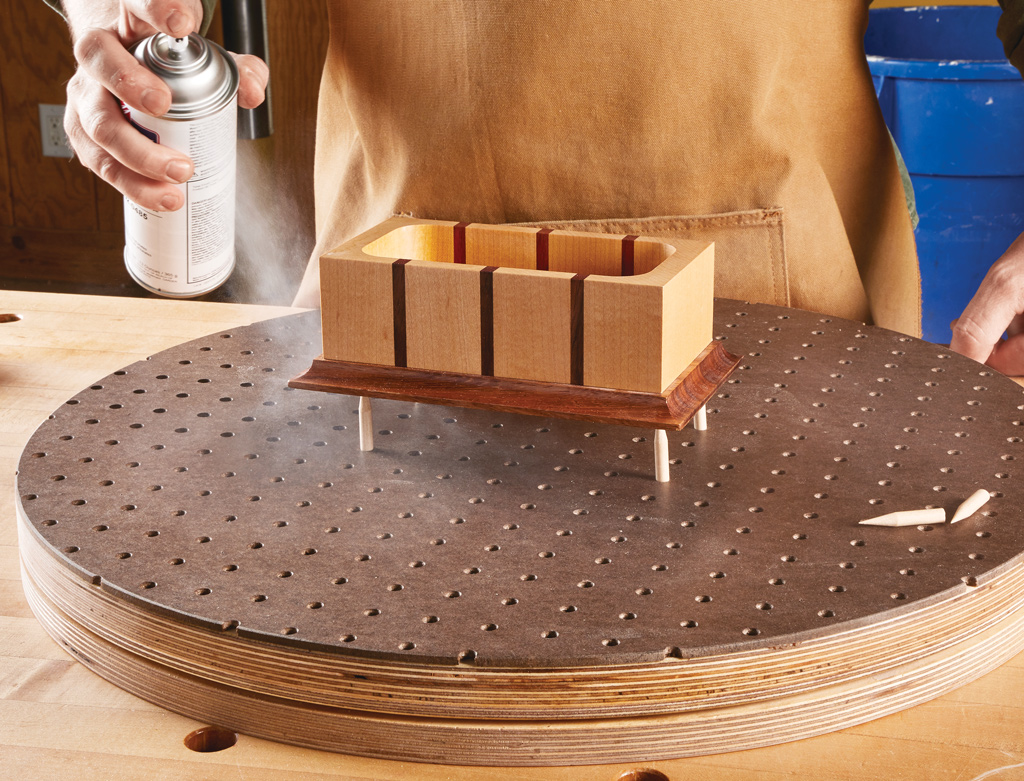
51,131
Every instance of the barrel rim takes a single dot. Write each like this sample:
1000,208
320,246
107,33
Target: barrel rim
948,69
943,70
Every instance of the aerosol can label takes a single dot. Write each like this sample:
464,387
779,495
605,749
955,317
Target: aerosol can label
190,251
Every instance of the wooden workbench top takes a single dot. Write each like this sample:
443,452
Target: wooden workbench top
59,719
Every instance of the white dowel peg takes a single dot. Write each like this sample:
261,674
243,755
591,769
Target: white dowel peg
700,420
908,518
661,456
971,505
365,424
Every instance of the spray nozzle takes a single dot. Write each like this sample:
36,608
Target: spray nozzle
176,47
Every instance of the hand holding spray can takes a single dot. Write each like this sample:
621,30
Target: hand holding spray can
191,251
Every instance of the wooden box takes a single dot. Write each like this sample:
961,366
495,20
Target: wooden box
602,311
613,329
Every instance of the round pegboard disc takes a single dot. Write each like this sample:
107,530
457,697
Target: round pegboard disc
480,565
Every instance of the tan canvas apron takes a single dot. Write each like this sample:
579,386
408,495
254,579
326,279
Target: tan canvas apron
751,123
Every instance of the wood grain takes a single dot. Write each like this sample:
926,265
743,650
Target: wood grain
686,319
517,247
357,327
400,238
627,331
181,668
69,261
585,253
35,63
6,204
528,312
109,214
648,254
671,410
442,315
641,331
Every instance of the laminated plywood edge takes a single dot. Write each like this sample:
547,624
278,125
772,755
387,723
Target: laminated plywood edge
529,742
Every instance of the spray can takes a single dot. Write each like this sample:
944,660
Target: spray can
191,251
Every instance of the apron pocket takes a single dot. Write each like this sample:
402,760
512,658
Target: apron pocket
750,253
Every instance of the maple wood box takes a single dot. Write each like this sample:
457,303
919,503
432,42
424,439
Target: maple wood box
604,311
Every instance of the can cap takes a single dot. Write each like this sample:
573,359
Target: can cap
201,75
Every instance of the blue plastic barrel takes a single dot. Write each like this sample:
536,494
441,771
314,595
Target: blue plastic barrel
956,109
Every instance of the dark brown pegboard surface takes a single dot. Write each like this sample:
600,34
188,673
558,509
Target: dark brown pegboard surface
197,483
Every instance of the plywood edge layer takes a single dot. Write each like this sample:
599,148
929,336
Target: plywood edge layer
537,742
625,689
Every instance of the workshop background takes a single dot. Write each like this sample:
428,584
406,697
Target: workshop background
61,228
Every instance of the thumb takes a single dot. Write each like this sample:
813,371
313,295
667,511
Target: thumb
1008,356
173,17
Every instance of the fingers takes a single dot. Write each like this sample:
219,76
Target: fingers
253,75
972,338
1008,357
1016,326
102,50
996,307
152,195
103,58
108,145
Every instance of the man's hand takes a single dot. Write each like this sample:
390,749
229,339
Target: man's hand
997,307
103,140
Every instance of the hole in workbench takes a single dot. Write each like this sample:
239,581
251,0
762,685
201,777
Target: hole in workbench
643,774
207,739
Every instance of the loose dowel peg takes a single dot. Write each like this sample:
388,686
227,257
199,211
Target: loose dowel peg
971,505
661,456
700,420
908,517
365,424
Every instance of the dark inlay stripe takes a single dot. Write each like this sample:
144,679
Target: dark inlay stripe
542,249
459,239
487,320
576,329
398,310
627,255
